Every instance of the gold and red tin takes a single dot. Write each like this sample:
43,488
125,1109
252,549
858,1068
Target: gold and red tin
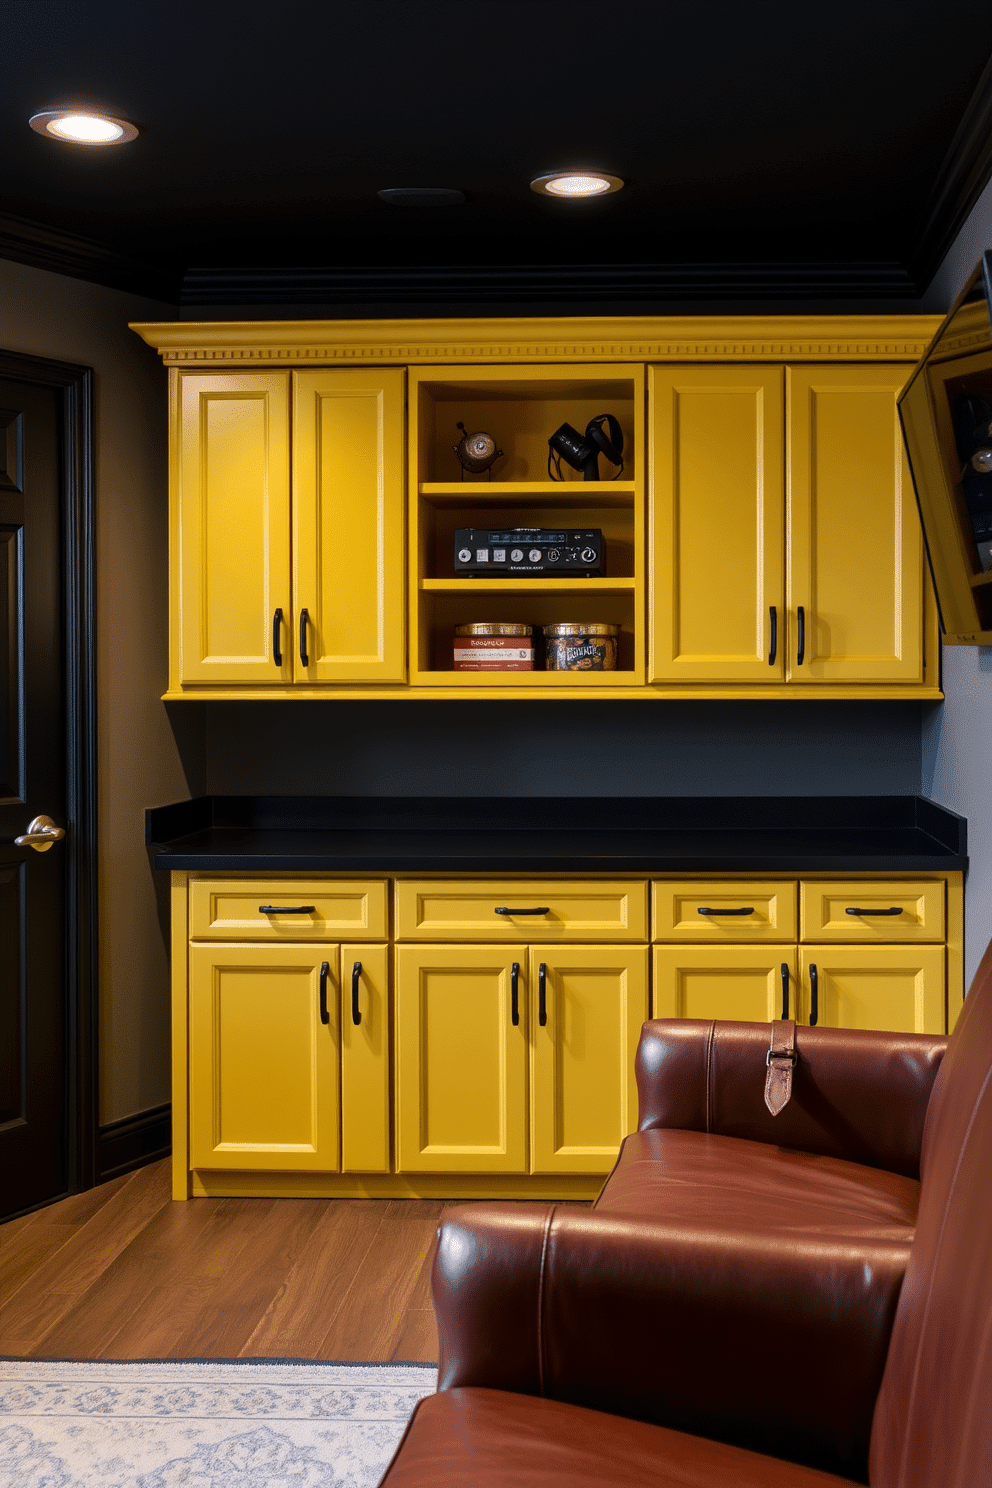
494,646
586,647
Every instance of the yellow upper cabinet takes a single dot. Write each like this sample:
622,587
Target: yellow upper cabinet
289,528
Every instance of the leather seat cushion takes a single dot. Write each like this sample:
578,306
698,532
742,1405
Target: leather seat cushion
707,1180
493,1439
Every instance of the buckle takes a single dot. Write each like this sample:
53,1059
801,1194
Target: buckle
789,1054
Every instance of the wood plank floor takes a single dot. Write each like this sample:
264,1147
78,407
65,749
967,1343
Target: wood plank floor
122,1272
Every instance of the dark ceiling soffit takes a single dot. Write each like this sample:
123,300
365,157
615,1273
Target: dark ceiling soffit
962,178
497,284
81,258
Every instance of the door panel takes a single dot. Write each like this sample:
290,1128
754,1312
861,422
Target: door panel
584,1094
348,503
894,987
263,1067
461,1071
718,534
735,982
364,984
855,549
233,497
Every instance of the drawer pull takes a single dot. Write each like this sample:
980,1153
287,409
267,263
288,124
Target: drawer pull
801,647
304,617
515,994
814,995
502,909
703,910
325,971
290,909
542,994
356,973
773,638
895,910
785,990
277,637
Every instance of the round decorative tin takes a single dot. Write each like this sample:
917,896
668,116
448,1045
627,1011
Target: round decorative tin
589,647
494,646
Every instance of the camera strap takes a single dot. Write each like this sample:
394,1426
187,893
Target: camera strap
611,445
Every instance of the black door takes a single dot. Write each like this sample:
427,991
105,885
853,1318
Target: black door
36,1018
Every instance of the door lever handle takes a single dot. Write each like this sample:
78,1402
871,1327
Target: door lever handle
40,835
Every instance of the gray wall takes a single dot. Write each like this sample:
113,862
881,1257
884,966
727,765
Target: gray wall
956,737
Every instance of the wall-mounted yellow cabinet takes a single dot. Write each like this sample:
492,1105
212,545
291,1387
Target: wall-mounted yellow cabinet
288,528
785,543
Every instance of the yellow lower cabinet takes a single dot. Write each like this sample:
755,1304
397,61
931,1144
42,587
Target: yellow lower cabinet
461,1060
263,1063
895,987
364,1021
587,1006
748,982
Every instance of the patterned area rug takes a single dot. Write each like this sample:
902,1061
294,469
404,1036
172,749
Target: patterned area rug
238,1425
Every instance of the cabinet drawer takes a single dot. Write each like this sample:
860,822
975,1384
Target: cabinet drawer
826,915
235,909
590,911
742,912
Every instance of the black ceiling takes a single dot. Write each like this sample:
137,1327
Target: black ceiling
771,151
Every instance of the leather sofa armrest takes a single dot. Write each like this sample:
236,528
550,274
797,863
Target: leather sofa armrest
856,1094
771,1342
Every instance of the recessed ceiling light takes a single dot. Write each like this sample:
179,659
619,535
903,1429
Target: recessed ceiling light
575,183
80,127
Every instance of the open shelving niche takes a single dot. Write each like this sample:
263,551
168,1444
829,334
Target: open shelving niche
520,407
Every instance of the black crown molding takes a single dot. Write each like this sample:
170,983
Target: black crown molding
43,247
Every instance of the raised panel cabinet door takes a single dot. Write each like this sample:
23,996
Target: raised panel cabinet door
717,542
263,1064
749,983
348,526
593,1001
461,1061
855,548
364,1014
899,988
232,540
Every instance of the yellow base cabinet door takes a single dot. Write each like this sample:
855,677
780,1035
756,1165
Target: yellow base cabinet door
747,983
718,524
855,548
232,544
263,1064
593,1001
348,526
461,1060
895,987
364,1022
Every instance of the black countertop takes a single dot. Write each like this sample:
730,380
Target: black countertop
657,834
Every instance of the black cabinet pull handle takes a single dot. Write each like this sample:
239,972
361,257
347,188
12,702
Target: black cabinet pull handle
356,973
277,637
325,971
801,650
542,994
773,638
785,989
895,910
814,995
304,617
515,994
502,909
285,909
704,910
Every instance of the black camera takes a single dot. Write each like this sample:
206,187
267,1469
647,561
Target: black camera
582,451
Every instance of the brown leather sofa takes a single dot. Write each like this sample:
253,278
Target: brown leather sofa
785,1301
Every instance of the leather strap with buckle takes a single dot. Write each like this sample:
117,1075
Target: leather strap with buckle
780,1061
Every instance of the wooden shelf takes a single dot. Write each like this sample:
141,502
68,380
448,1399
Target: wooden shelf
564,494
980,581
574,585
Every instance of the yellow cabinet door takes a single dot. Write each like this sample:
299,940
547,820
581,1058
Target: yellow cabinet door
752,983
348,506
718,524
263,1064
461,1061
855,549
232,542
894,987
593,1001
364,1022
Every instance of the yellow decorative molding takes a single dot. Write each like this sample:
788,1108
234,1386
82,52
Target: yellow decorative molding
580,338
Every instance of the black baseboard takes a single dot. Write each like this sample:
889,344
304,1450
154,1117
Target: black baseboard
133,1142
